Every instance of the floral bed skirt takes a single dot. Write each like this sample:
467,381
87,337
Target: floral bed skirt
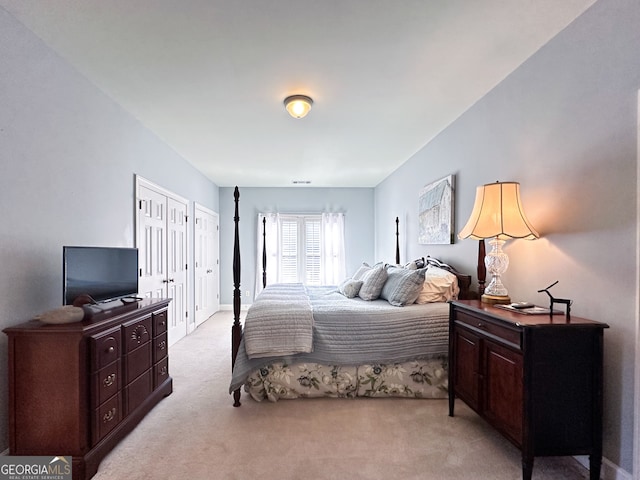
421,378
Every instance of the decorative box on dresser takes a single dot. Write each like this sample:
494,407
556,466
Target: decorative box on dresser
537,379
77,389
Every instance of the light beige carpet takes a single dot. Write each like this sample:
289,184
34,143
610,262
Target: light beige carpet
196,434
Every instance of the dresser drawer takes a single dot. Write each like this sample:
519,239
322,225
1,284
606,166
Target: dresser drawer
105,348
106,418
159,322
160,372
136,362
105,383
136,333
160,347
136,392
486,326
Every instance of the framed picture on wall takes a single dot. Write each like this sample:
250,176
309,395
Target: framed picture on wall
435,212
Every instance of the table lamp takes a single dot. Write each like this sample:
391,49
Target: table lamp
497,214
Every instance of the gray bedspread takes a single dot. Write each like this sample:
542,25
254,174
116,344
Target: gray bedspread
357,332
280,322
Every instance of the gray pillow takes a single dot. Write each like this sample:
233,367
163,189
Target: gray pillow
373,281
350,288
364,268
402,286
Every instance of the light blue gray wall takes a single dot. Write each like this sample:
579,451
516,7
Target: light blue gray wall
68,158
564,125
355,203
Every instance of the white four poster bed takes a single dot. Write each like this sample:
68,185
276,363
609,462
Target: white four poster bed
365,337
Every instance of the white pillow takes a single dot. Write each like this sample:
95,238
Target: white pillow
350,288
439,286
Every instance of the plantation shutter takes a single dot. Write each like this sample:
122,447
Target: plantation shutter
312,250
289,251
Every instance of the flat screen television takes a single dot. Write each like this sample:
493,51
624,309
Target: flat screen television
104,273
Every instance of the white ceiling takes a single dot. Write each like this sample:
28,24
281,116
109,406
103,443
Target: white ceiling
209,76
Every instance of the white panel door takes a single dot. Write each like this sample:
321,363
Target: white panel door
177,268
200,260
151,240
163,252
207,262
214,263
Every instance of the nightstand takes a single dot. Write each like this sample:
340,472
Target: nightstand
536,379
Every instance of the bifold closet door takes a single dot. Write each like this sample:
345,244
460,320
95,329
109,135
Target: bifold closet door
162,254
152,243
177,268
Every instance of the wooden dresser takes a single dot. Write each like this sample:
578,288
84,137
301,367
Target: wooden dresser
537,379
78,389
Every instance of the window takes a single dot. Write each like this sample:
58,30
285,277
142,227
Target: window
300,249
305,249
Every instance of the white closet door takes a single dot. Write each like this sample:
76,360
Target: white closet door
177,269
163,252
152,244
214,263
207,263
201,267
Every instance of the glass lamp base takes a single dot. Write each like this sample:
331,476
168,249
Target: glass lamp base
497,263
495,299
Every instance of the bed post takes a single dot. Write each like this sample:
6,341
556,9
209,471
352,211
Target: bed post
397,242
236,330
264,252
482,269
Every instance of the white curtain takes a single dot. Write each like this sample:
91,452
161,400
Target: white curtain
333,264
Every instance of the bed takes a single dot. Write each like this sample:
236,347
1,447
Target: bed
311,341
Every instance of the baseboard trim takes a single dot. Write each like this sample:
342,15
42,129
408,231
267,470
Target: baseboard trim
609,471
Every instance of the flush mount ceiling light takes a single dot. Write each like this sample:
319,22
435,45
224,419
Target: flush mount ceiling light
298,105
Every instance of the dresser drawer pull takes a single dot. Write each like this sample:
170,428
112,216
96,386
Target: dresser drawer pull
111,349
162,345
109,416
109,380
163,323
481,325
163,371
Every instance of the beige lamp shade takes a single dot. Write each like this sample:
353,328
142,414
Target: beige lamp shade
298,105
497,212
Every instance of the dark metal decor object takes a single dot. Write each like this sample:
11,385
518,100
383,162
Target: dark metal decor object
552,300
